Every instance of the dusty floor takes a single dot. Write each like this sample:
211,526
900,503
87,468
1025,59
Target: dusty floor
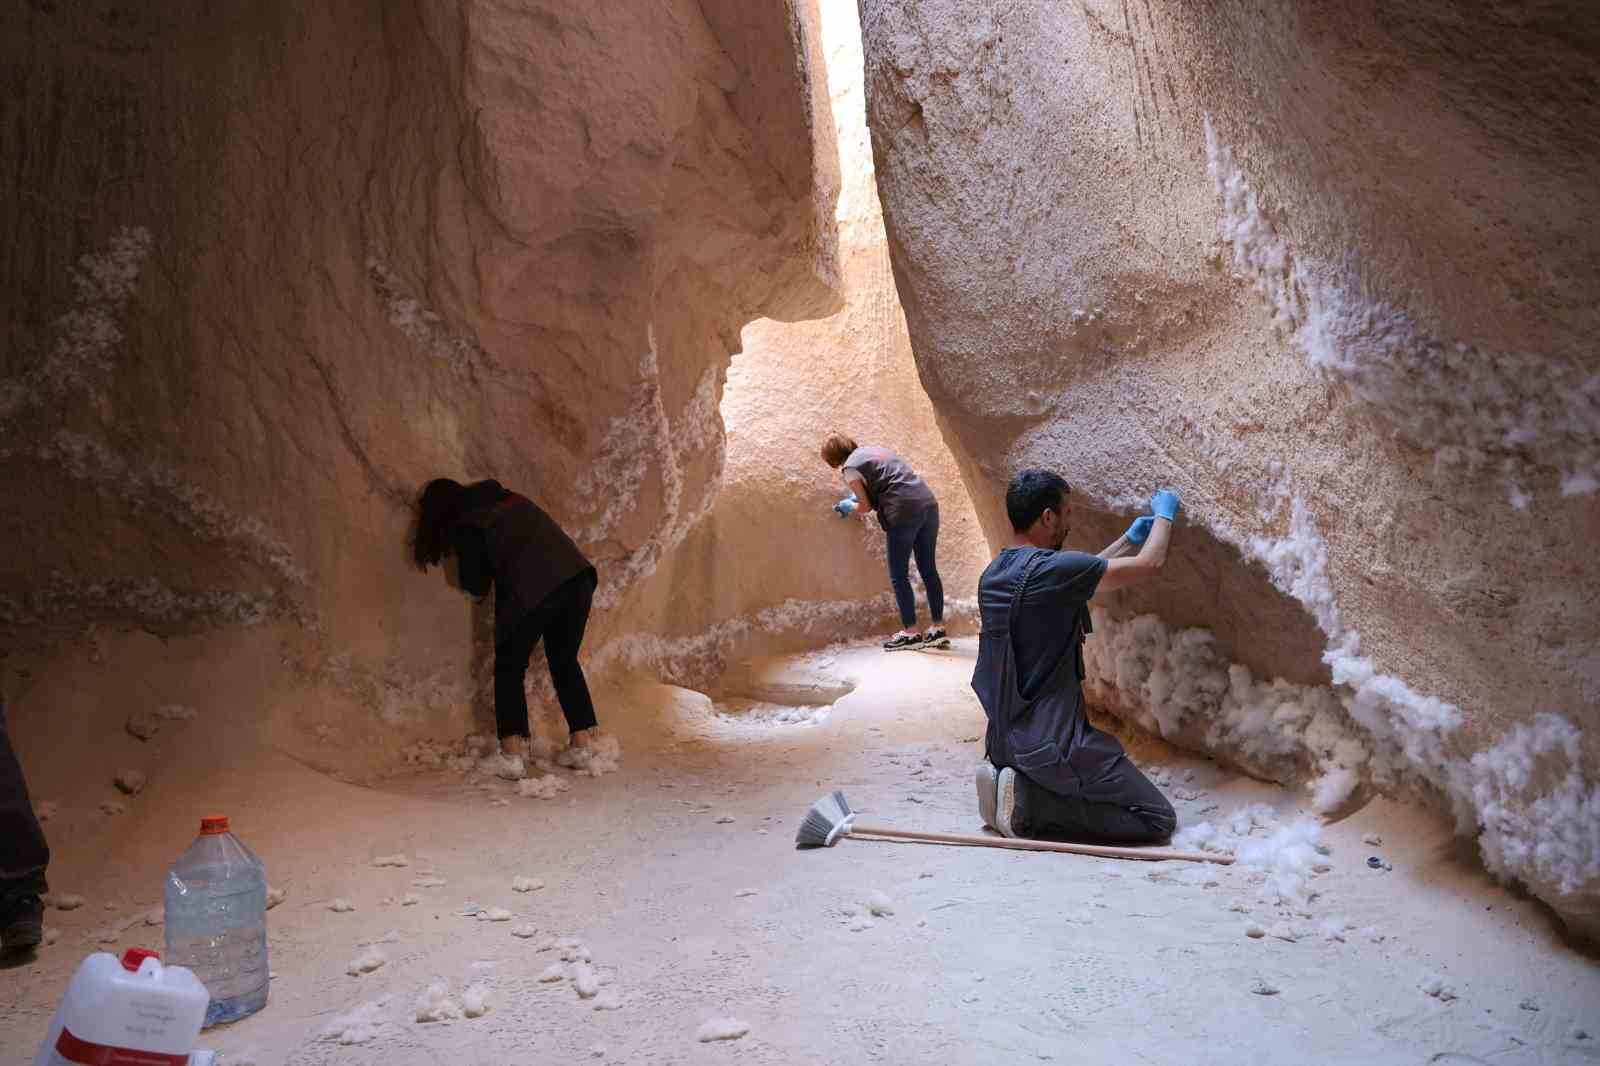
680,876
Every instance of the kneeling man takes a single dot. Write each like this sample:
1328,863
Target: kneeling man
1049,773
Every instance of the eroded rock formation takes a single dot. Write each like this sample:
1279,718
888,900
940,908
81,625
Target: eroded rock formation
268,271
1326,271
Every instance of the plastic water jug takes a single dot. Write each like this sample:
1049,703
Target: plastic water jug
131,1011
216,916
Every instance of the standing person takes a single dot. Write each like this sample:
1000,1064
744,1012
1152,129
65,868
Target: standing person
24,854
878,480
1049,773
544,587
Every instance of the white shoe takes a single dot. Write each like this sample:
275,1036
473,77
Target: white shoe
1005,802
508,767
988,782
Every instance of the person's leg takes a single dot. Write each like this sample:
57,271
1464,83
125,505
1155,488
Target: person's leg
1121,807
901,538
24,854
513,646
562,639
927,540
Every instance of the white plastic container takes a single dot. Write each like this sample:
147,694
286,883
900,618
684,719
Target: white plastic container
130,1011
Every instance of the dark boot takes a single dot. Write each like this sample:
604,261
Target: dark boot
21,918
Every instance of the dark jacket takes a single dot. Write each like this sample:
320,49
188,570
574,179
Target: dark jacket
507,541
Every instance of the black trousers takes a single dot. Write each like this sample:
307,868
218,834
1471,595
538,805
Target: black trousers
23,851
918,536
1120,806
560,620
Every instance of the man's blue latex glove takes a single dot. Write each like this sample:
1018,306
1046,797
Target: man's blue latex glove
1165,505
1140,529
846,507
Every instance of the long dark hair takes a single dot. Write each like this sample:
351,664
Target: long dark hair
441,503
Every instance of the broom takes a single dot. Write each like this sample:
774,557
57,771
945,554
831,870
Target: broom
831,818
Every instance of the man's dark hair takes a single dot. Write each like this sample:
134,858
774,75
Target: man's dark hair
1032,493
442,502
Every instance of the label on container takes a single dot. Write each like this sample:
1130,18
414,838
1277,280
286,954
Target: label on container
70,1051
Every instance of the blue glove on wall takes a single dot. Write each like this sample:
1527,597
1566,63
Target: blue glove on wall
1140,529
1165,505
846,507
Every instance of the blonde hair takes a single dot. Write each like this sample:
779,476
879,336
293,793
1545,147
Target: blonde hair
836,448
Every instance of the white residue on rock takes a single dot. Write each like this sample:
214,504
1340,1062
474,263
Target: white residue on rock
526,884
340,905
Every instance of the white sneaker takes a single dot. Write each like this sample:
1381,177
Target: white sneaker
508,767
988,782
1005,802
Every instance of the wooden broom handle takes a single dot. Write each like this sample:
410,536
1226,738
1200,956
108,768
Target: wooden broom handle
1104,851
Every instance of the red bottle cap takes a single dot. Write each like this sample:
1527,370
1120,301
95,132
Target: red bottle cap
212,824
133,958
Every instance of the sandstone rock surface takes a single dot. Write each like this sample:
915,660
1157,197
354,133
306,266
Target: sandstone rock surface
268,272
1321,270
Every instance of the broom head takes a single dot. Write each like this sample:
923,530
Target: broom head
828,819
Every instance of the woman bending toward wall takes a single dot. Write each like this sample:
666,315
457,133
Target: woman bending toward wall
878,480
543,588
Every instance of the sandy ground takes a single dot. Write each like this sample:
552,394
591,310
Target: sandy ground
679,876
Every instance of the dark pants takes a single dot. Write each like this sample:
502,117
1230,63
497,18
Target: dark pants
560,619
23,851
917,535
1121,806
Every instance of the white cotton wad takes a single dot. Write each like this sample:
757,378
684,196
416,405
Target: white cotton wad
276,896
547,787
436,1005
366,962
1287,857
391,860
585,981
494,914
341,906
360,1026
721,1029
526,884
475,1001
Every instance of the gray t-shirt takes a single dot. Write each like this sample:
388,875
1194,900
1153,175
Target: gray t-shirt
894,488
